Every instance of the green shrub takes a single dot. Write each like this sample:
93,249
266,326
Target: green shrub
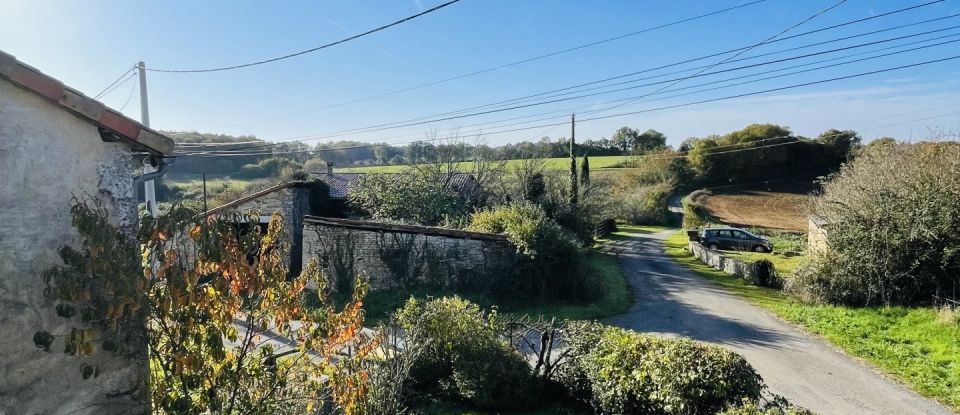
647,204
493,376
625,372
892,219
694,215
462,354
551,258
778,406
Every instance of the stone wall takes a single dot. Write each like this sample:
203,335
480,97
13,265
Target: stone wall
404,256
721,262
816,236
289,199
48,155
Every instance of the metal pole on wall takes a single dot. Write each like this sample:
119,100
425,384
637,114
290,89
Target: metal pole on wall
149,192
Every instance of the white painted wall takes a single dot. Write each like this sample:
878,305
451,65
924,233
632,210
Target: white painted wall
48,155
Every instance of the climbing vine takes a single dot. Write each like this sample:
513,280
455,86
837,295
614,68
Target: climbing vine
211,300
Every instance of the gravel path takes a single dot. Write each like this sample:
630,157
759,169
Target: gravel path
671,300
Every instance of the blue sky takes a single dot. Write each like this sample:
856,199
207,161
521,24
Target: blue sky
88,44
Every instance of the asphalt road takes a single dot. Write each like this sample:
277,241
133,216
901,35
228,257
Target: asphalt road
671,300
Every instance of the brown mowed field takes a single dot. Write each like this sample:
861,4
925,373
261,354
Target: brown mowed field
779,207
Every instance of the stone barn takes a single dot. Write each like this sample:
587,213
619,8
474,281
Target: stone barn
57,143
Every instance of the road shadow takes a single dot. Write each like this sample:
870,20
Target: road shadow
670,300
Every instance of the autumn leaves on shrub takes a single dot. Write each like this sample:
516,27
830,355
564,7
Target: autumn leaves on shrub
206,291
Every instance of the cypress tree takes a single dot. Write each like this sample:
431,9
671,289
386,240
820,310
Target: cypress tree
585,172
574,191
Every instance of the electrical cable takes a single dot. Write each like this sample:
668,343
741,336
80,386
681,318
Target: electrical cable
410,122
748,76
793,86
876,16
304,52
110,87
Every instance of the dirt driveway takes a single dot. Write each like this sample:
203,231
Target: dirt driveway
671,300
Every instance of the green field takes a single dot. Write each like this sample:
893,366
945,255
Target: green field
558,163
909,343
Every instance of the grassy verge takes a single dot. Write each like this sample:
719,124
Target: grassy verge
908,343
615,298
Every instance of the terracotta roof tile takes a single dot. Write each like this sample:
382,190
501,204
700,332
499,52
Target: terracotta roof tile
31,79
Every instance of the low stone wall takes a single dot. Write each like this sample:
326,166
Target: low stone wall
721,262
403,256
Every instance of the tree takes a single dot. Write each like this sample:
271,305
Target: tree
650,140
210,296
625,139
585,173
839,145
574,191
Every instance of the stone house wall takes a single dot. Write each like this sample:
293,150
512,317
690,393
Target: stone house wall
47,156
289,199
816,236
403,256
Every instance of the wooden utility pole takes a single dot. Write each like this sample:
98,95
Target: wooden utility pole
574,189
149,192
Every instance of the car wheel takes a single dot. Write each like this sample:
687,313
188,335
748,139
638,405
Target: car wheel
713,247
759,248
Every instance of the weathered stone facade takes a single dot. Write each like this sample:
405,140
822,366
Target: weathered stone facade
290,200
404,256
47,156
816,236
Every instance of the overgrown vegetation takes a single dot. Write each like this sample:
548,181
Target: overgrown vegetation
623,372
893,216
494,363
201,294
550,261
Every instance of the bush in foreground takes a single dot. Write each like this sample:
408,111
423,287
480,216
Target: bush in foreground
892,218
551,258
463,355
624,372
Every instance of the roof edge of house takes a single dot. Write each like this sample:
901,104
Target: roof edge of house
75,102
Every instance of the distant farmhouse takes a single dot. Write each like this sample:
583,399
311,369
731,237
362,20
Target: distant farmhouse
57,143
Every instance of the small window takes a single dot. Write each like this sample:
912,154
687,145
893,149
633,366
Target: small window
740,235
725,234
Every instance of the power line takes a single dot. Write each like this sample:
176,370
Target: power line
877,16
413,121
793,86
304,52
107,90
671,82
725,60
241,149
539,57
129,96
